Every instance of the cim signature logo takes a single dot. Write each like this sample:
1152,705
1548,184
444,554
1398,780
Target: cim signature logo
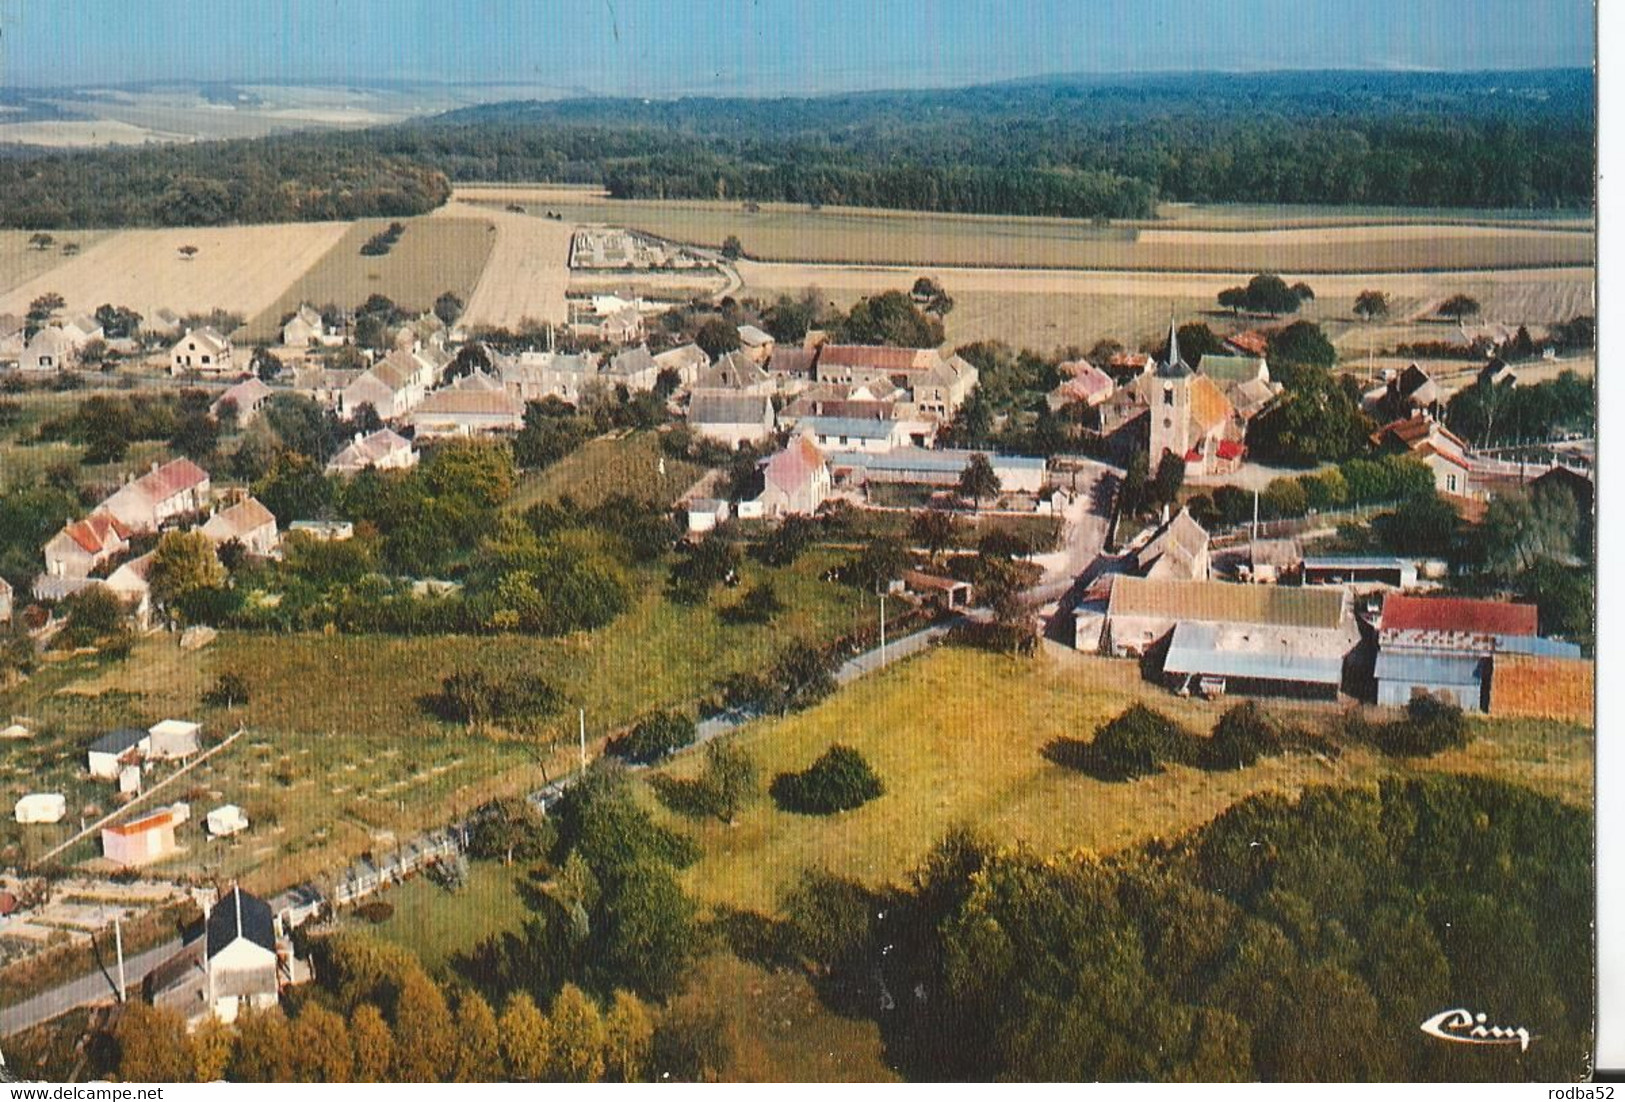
1466,1028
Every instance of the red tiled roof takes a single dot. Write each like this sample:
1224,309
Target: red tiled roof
1253,340
1131,359
1459,614
793,466
1230,449
174,477
874,356
97,531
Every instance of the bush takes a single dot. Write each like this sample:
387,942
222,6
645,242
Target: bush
228,691
1430,726
655,736
840,780
375,911
1140,742
1242,736
472,697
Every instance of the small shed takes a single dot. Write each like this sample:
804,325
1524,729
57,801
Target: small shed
1359,569
938,590
225,820
42,807
116,749
706,513
148,838
174,738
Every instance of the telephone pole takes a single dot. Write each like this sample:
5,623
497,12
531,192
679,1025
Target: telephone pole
582,714
118,942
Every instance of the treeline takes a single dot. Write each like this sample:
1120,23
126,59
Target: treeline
1090,148
301,178
1289,940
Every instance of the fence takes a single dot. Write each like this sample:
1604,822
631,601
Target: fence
1282,527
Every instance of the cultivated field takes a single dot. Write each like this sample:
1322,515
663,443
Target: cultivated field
528,269
602,468
21,262
957,736
238,268
1319,241
434,255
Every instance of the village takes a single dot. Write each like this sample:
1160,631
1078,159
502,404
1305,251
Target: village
1148,533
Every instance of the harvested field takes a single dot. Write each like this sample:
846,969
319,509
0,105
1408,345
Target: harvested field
1256,239
20,261
527,272
1054,309
238,268
434,255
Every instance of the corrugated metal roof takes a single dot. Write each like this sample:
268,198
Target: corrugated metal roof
862,427
1356,562
1429,669
921,459
1532,645
1260,652
1225,602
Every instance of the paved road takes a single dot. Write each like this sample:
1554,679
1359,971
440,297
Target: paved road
95,988
1083,536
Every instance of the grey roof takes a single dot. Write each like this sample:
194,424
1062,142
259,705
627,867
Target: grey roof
1260,652
922,459
1429,669
730,409
116,742
240,915
1544,648
866,428
1356,562
633,361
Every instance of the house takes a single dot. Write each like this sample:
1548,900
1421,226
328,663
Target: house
226,820
1443,451
1578,486
6,597
1142,612
146,839
1243,380
13,337
1084,383
946,381
129,584
622,327
169,490
385,449
792,368
855,434
1496,372
1272,561
942,388
249,523
204,350
392,388
756,344
304,329
795,480
734,373
83,545
41,807
1407,392
1125,367
237,964
48,350
81,329
535,376
164,322
174,738
705,513
732,419
246,397
477,406
633,368
1252,342
1177,550
686,361
125,746
324,385
925,467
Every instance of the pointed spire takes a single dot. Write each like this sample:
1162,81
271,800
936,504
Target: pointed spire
1173,341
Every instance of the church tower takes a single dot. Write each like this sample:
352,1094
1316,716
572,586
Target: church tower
1169,395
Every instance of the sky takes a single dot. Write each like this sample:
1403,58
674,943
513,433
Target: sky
764,47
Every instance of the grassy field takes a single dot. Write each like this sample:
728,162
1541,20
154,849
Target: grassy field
437,924
607,466
238,268
434,255
339,748
957,736
1249,240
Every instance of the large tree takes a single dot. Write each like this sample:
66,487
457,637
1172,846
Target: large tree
1371,305
978,480
182,563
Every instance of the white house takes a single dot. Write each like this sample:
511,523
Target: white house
115,749
384,449
48,350
204,350
248,522
168,490
732,419
246,397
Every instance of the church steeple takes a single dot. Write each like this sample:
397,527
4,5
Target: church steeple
1173,367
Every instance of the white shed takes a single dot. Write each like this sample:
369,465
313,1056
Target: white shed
226,819
173,738
42,807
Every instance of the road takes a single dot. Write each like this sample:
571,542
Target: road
1083,535
94,988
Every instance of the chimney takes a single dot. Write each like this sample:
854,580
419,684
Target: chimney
154,466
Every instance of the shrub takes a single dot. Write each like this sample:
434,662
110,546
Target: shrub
840,780
375,911
1430,725
1242,736
1140,742
655,736
228,691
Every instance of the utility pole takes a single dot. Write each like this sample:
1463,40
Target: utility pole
118,942
1255,514
582,714
882,627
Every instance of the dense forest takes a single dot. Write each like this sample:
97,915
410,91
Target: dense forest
278,179
1075,147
